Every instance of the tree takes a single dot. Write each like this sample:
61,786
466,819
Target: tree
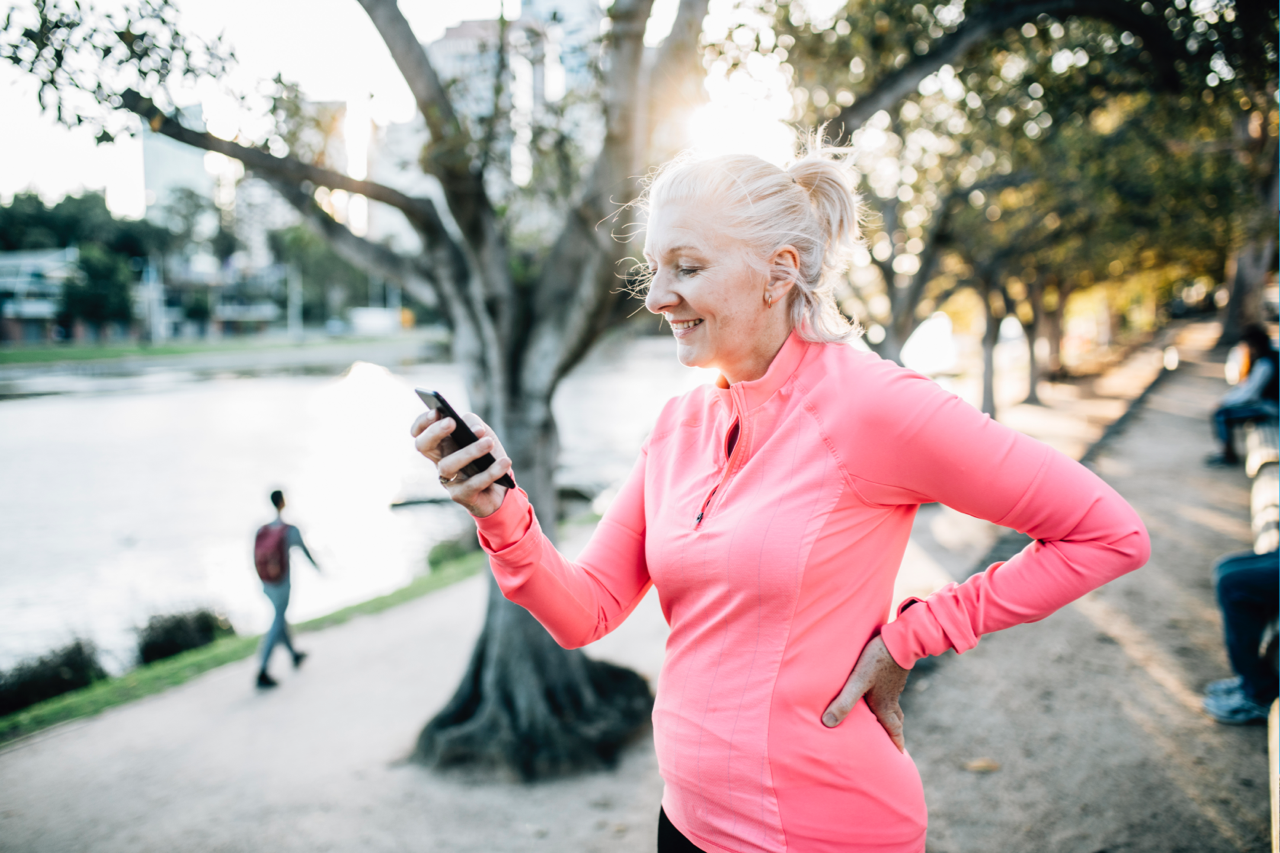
103,296
956,95
524,702
108,247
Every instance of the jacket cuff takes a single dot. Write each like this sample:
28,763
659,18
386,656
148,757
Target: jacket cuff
915,634
505,533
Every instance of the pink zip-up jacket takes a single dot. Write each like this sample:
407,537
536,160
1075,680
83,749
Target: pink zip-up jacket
775,565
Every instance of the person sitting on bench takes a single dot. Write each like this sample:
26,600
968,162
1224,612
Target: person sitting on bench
1248,585
1254,398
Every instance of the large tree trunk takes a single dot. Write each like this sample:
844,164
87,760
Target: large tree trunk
1251,262
1035,298
525,703
990,335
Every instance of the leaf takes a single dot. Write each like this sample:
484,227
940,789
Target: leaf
982,765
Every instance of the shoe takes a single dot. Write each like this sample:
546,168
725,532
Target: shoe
298,658
1224,686
1234,709
265,680
1221,460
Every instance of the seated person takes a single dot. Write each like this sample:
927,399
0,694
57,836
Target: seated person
1248,585
1255,397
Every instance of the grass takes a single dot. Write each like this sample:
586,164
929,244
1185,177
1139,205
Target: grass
49,353
170,672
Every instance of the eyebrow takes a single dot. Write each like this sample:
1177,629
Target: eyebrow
681,248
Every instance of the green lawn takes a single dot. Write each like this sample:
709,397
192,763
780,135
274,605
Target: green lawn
49,353
161,675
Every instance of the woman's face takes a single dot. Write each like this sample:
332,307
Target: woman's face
713,298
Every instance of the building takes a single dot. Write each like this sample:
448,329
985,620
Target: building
31,285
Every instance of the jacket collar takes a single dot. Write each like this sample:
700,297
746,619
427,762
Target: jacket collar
757,391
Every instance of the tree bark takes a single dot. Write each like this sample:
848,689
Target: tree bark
1251,262
990,336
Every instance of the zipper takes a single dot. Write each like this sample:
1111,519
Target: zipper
732,458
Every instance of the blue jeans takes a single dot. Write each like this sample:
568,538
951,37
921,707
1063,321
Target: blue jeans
278,593
1248,585
1226,418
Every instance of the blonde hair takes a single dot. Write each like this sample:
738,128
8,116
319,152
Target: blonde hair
810,206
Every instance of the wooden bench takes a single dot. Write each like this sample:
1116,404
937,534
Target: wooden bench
1262,445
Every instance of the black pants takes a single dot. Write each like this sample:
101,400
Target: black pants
1247,588
672,840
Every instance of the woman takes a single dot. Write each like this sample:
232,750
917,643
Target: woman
771,511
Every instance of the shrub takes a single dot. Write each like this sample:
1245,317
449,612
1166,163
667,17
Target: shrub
166,636
452,549
60,671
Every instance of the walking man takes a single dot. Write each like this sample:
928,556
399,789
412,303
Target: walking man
271,558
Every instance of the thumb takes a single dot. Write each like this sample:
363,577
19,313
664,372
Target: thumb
853,690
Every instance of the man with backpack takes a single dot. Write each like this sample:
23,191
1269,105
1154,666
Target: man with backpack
271,558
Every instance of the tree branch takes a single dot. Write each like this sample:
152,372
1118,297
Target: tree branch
359,252
422,212
580,280
979,25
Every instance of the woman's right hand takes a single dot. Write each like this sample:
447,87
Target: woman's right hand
480,495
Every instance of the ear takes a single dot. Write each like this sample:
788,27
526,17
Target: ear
784,271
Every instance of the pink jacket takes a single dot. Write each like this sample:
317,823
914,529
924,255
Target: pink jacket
775,566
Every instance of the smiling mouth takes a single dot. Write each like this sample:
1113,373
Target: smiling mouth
683,325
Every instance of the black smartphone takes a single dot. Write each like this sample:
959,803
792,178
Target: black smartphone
461,435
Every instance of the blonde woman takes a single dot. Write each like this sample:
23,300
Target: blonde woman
771,511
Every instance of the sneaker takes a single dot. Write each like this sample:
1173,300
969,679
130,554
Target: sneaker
1221,460
1224,686
1234,709
298,658
265,680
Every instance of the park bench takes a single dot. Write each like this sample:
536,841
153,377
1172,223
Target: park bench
1262,445
1262,463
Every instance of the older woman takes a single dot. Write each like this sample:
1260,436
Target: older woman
771,511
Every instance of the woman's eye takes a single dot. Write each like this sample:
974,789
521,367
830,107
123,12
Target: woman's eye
688,271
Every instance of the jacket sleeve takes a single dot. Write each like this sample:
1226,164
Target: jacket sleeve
927,445
577,602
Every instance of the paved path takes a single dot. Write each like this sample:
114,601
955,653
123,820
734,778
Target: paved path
1090,714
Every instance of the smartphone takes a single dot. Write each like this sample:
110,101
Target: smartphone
461,435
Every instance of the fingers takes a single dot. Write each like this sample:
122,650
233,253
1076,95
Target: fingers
891,718
421,422
429,434
453,463
853,689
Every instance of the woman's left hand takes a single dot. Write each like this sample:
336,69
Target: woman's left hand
878,677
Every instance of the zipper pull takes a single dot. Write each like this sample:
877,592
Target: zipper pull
698,520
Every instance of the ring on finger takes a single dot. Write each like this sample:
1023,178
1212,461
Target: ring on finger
449,481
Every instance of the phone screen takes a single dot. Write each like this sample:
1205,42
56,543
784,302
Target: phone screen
461,435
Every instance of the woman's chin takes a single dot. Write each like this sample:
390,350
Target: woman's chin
690,355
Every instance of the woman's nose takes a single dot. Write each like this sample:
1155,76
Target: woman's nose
659,297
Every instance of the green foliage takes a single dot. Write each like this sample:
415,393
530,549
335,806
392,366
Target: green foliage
103,295
166,636
1052,152
451,550
72,667
27,223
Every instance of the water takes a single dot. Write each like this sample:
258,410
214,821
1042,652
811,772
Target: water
136,496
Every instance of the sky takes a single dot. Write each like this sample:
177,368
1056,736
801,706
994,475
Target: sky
330,48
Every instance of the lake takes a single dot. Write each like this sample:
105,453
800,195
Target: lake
127,497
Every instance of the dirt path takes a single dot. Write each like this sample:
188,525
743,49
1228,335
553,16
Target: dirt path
1093,714
1090,714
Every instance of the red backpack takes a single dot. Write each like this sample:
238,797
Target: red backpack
271,552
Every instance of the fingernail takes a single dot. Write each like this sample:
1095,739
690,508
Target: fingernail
829,720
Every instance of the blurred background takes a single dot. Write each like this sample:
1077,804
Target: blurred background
235,236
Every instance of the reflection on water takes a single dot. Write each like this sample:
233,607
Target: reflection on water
140,497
